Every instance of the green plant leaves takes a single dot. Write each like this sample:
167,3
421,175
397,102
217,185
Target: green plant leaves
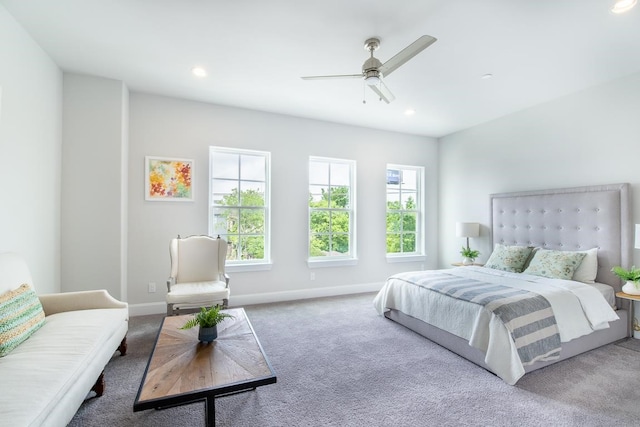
632,275
207,318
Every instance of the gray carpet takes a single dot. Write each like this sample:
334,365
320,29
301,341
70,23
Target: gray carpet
340,364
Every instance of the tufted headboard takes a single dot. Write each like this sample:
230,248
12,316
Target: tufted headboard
569,219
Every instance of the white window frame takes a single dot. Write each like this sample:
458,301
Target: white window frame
351,257
245,265
419,253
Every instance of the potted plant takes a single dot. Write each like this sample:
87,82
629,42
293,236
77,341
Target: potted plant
469,255
208,321
632,278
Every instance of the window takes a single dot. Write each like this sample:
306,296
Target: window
404,210
240,203
331,209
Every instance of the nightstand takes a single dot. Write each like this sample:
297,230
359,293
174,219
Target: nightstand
459,264
633,322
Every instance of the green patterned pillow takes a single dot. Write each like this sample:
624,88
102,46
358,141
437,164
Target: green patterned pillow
21,314
555,264
508,258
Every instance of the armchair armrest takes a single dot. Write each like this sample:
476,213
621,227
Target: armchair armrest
170,281
226,279
82,300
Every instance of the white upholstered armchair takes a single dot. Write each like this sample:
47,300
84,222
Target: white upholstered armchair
198,277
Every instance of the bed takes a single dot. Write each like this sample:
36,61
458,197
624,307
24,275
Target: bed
442,305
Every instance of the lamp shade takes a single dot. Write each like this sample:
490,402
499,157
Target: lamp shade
472,229
637,244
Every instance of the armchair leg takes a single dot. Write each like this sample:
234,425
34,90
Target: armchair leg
225,303
170,310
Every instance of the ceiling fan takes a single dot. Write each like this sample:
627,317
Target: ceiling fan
373,70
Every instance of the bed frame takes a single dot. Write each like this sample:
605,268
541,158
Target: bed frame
563,219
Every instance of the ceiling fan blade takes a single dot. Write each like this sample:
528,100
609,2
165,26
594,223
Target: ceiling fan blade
383,92
337,76
406,54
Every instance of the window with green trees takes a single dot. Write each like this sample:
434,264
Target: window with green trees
404,210
331,208
239,207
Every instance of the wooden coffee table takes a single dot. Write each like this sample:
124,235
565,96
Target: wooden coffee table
182,370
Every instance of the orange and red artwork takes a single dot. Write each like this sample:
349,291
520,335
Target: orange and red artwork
169,179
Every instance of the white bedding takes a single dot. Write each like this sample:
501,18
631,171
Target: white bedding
607,292
579,309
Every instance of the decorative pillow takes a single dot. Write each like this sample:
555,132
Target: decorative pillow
530,257
588,268
555,264
508,258
21,314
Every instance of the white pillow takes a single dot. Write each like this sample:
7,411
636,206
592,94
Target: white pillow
588,268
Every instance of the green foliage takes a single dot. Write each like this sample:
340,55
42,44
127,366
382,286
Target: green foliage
328,225
401,227
243,220
469,253
207,318
631,275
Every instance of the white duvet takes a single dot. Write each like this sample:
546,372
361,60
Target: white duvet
579,310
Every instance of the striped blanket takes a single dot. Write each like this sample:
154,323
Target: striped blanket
527,316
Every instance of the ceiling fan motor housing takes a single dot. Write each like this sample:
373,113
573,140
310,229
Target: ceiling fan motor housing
371,64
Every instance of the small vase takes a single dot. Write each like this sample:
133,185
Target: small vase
631,288
468,261
208,334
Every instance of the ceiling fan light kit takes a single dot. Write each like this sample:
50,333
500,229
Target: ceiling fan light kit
373,71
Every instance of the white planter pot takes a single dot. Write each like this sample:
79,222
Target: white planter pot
631,288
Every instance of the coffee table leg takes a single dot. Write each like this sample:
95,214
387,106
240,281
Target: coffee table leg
210,411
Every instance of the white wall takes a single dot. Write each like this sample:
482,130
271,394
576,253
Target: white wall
94,186
590,137
168,127
30,140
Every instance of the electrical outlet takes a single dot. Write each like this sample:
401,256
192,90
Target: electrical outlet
312,276
152,287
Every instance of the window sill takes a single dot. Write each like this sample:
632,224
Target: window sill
405,258
331,262
238,268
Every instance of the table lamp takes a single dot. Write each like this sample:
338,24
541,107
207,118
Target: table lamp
472,229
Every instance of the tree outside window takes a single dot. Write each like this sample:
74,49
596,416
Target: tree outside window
240,202
331,208
404,210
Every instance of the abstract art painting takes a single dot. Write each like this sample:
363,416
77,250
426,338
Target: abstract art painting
168,179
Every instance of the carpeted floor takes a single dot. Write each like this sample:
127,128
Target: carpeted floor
340,364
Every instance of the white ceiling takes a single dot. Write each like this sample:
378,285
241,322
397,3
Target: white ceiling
255,52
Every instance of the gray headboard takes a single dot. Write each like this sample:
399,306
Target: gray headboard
569,219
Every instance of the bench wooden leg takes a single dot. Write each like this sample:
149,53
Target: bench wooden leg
98,387
123,346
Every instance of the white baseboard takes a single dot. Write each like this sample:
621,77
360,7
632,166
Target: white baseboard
267,297
147,308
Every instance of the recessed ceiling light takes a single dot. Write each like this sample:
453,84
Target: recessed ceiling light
622,6
409,112
487,76
199,72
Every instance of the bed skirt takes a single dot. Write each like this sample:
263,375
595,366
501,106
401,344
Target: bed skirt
617,330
